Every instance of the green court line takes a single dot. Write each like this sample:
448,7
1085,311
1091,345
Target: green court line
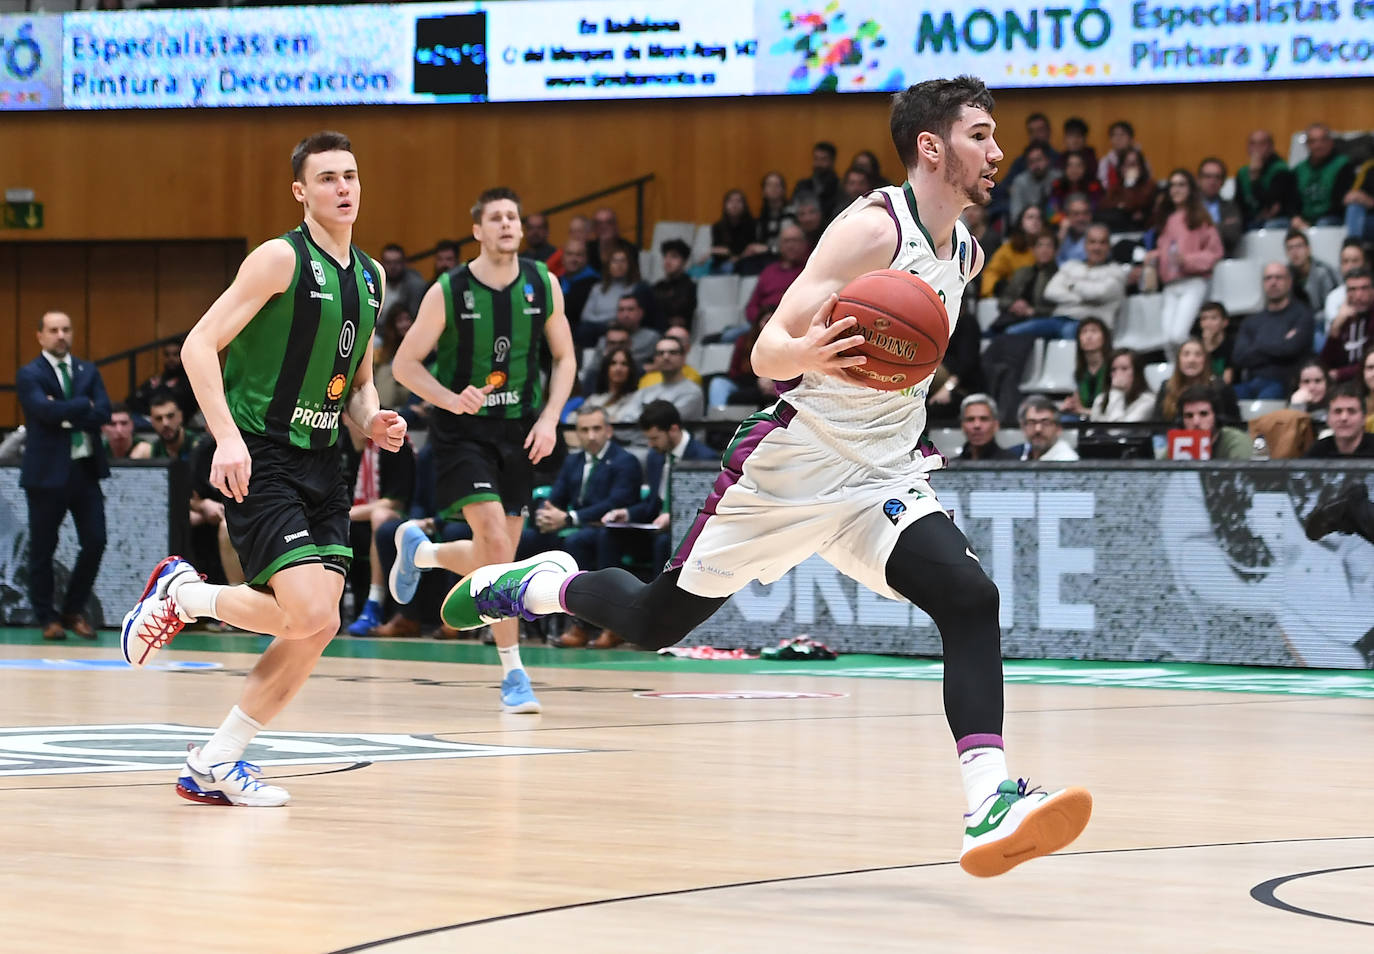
1337,683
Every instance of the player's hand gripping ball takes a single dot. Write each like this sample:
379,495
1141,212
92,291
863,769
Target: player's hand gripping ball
904,324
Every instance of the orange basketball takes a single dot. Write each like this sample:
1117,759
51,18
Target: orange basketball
904,324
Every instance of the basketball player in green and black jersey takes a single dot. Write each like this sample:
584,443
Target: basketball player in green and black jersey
490,320
297,326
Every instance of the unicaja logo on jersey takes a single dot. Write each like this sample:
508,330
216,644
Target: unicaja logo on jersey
318,269
346,337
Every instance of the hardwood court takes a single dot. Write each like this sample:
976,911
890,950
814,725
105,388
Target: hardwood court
675,825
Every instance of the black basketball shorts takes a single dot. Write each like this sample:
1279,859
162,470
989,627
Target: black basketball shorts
296,510
482,460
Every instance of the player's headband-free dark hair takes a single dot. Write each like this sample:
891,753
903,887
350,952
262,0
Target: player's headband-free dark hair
324,141
490,196
933,107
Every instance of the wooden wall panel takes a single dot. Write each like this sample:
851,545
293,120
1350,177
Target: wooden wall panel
123,305
225,173
52,277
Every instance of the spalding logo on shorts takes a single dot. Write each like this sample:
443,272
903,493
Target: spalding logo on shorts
893,509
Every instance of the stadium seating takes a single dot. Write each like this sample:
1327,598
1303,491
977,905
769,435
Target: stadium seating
1263,246
1249,410
1156,374
1326,243
1056,369
1141,327
713,319
718,290
1237,284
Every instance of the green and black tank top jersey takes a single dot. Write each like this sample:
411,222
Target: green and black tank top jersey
290,370
495,337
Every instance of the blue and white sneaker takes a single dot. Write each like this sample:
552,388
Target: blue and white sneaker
228,783
404,579
155,618
516,694
368,619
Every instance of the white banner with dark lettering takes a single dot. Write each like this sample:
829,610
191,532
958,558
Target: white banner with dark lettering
1149,562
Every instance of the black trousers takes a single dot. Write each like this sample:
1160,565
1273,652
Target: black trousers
48,506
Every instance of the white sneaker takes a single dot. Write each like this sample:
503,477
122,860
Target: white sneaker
155,618
228,783
1017,823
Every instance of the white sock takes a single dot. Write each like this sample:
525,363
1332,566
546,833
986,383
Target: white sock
983,767
427,555
510,659
376,593
194,597
231,739
542,593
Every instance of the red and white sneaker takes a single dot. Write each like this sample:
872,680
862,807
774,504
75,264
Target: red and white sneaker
155,619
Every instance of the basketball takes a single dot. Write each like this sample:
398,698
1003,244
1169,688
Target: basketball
904,324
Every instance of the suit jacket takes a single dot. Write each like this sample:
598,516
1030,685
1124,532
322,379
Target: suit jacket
614,482
47,458
645,510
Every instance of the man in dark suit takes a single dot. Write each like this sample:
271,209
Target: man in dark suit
603,476
64,404
600,477
669,445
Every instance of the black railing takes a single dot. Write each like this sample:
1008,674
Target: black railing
637,184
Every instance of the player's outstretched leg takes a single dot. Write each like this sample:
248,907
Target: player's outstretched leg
155,618
1008,821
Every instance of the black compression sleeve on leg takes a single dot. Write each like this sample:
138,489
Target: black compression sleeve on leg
933,566
651,615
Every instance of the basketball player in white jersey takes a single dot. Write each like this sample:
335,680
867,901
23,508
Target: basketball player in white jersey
834,468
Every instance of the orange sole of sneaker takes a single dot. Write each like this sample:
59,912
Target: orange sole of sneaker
1044,831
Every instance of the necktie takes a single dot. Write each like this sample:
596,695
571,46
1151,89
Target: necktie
587,471
668,484
78,438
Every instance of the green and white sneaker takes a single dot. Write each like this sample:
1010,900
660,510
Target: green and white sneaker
1017,823
497,592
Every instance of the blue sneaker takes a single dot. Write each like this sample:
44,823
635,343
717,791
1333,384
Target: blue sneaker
495,592
405,575
368,619
516,694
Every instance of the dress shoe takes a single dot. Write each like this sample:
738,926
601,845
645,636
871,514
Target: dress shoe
79,625
574,637
54,632
398,625
607,640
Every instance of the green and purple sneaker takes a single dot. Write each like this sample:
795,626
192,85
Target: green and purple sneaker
497,592
1017,823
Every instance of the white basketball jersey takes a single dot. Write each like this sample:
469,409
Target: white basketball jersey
883,427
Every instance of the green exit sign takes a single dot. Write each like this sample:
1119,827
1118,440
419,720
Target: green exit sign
23,215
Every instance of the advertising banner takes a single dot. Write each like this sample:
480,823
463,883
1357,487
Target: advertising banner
274,56
1185,562
620,49
135,496
624,49
30,61
866,45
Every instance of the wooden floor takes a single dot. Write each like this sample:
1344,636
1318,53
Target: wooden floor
675,825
